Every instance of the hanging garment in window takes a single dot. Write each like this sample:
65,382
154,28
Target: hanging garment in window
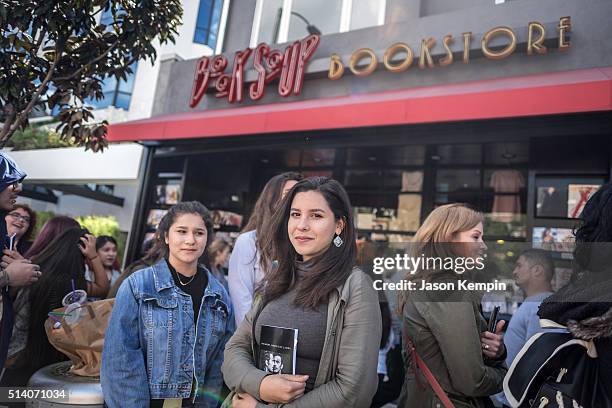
506,206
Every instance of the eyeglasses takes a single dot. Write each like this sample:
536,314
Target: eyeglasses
18,216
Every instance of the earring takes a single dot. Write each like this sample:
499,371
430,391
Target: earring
338,241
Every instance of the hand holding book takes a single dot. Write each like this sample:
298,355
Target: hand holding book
282,388
243,400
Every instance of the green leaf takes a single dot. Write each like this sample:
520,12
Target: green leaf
73,32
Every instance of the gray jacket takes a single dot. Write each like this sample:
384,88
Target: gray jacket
446,334
347,374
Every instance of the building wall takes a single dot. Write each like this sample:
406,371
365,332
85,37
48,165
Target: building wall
119,165
143,95
75,206
410,22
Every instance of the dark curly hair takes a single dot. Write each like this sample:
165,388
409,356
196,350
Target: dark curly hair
596,217
594,236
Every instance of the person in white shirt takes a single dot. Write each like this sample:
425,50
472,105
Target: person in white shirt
245,271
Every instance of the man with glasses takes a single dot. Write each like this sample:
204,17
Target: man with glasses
19,273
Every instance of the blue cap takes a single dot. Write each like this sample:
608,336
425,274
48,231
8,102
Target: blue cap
9,172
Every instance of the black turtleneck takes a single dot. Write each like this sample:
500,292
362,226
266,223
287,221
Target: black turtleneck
193,287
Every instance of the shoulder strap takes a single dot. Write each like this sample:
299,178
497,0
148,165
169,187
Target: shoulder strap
435,385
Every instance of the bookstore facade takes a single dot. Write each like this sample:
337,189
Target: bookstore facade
514,121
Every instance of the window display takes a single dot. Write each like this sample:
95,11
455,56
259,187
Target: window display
154,217
577,196
564,197
506,184
553,239
168,194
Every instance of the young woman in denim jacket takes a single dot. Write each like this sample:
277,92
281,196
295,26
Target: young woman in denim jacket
315,289
164,343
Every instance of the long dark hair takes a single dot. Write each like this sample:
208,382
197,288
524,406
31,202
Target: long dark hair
52,228
60,262
267,203
327,271
268,200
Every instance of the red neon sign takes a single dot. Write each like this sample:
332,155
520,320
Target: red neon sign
269,64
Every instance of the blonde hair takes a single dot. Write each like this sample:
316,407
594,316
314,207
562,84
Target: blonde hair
432,239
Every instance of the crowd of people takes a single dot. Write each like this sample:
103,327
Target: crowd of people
187,322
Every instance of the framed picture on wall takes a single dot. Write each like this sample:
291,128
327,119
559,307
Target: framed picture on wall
564,196
554,239
167,194
577,196
154,217
173,194
551,202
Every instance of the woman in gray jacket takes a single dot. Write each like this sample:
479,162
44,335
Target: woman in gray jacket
315,289
446,327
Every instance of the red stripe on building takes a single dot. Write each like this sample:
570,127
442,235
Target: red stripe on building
587,90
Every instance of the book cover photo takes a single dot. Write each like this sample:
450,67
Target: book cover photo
277,349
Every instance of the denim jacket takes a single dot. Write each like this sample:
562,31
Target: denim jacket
152,348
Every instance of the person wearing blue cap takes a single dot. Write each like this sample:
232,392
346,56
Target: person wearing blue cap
19,273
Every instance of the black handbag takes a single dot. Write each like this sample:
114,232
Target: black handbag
556,370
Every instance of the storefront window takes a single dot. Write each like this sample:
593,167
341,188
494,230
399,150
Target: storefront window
497,188
387,198
506,153
458,154
453,180
278,21
364,179
411,155
286,158
318,157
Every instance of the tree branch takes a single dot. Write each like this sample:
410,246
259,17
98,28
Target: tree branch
6,127
7,133
40,40
98,58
